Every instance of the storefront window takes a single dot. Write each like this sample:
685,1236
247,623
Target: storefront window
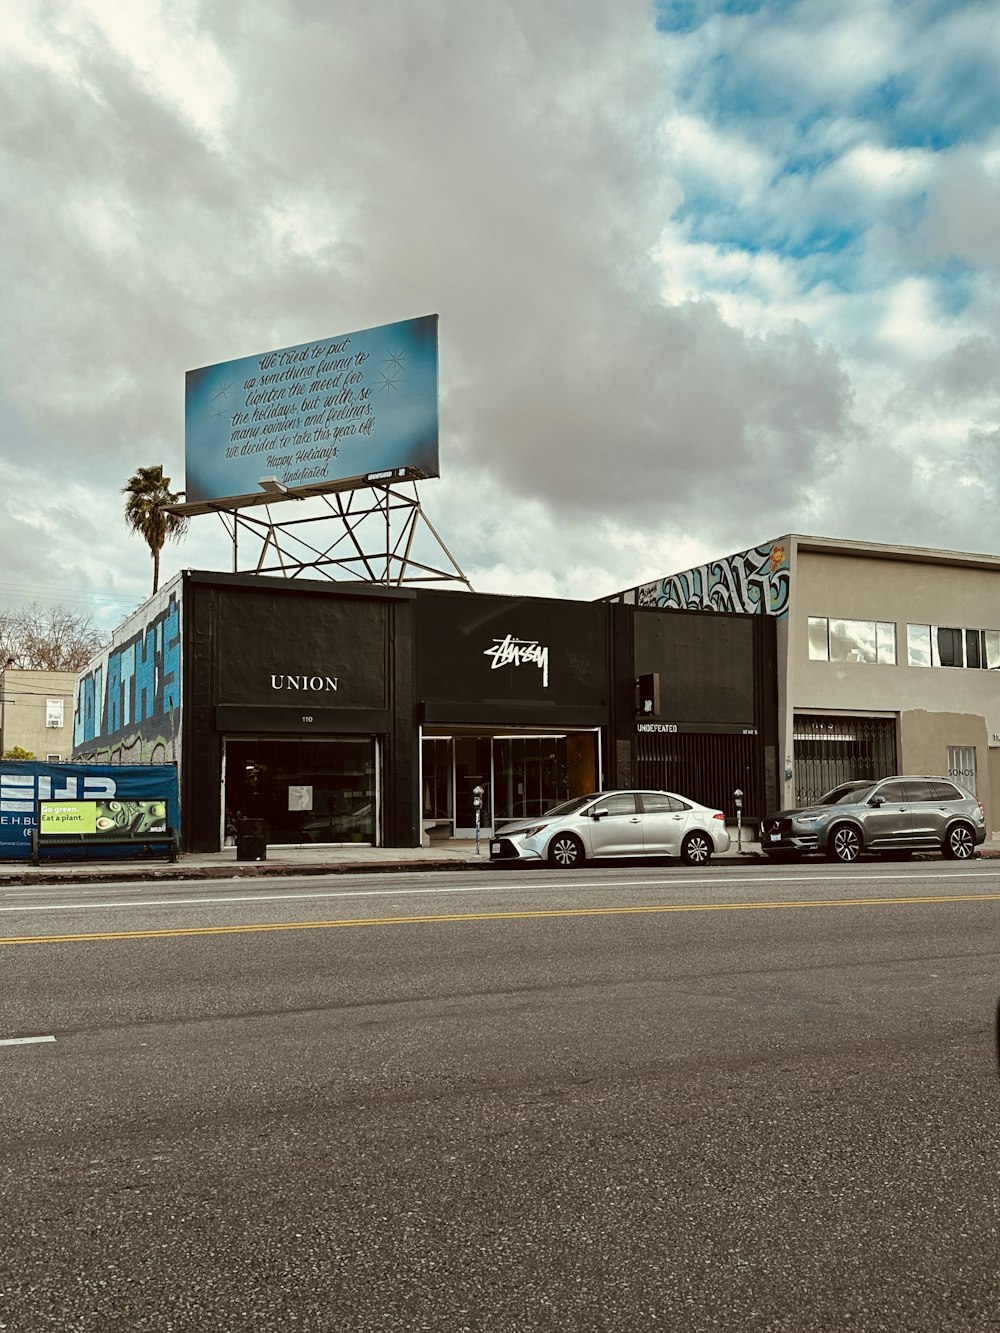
305,791
521,776
532,775
962,766
437,783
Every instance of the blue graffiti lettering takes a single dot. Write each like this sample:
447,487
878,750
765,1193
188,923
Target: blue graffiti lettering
136,681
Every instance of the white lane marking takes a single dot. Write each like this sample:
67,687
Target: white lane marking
23,1041
548,887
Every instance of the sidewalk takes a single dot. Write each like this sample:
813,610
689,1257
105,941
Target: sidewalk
317,859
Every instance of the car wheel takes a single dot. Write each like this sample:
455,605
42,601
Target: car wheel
960,843
696,849
566,851
844,843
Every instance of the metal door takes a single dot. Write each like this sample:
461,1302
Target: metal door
831,750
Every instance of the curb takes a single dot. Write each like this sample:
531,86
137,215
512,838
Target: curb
237,870
139,874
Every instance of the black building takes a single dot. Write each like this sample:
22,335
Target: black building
355,712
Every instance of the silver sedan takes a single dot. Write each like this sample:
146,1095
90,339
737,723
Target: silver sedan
614,823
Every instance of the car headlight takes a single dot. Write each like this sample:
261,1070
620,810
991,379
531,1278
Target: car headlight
530,832
810,819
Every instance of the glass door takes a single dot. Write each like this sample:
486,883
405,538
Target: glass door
437,806
473,768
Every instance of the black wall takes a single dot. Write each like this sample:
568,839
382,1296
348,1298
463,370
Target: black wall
706,664
457,636
239,631
718,677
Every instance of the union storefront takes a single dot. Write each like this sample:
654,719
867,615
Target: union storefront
342,712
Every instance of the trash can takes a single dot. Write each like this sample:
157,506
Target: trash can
251,840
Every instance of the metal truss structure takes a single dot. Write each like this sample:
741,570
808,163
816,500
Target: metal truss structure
380,534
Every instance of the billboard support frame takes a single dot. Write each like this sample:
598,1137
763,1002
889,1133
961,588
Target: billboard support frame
384,509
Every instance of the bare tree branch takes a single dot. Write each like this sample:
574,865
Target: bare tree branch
37,638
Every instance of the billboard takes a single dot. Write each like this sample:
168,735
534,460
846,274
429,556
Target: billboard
132,796
109,820
321,414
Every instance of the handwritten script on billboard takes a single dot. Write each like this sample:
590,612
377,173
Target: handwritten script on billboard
322,412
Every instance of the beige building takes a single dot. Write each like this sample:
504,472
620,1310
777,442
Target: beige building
888,657
36,712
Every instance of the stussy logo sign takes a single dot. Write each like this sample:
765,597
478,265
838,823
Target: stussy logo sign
509,651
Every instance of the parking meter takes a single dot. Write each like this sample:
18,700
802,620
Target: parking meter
477,801
738,797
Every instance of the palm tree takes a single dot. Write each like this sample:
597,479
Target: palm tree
146,513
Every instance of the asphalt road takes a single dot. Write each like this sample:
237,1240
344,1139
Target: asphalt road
737,1099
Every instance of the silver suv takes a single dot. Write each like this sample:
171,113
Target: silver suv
891,815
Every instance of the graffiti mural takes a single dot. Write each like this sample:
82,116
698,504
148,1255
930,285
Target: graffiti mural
757,580
128,700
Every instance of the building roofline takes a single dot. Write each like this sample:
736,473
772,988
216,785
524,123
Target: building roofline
927,555
838,546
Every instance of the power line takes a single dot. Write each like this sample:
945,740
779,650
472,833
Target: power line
12,696
49,593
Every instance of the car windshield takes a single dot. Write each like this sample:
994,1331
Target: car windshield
849,793
571,806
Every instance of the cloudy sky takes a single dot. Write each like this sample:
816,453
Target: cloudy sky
706,273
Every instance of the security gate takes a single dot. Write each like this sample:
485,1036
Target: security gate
707,768
832,750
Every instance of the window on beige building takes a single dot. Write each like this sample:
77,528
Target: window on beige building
962,766
833,640
952,646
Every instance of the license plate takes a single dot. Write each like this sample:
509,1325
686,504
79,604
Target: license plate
494,849
775,837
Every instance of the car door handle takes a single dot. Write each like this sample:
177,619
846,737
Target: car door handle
634,819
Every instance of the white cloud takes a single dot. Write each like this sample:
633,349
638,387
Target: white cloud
687,283
728,160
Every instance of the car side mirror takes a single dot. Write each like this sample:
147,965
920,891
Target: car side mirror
877,801
598,814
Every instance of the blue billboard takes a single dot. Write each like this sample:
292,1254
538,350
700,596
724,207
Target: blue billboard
24,783
330,411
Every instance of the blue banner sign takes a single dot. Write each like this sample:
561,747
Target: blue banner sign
325,412
24,784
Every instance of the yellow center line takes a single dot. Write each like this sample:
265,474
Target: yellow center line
447,918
